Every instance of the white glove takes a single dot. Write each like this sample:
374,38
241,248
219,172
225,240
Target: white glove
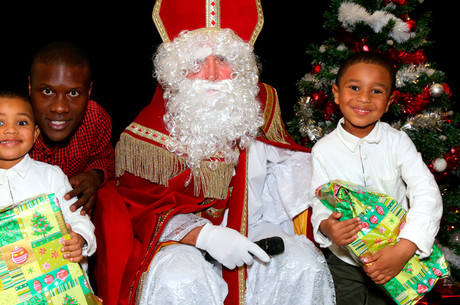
229,247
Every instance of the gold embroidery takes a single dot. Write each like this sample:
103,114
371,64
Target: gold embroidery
214,212
158,23
213,13
275,131
243,231
259,25
158,165
212,21
140,288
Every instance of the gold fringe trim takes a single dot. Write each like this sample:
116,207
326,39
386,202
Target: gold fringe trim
146,160
214,179
159,165
276,131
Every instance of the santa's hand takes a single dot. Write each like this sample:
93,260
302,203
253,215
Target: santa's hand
229,247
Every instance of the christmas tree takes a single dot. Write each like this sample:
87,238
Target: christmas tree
422,107
9,229
68,300
40,224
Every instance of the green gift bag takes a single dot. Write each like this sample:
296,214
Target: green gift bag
32,268
383,218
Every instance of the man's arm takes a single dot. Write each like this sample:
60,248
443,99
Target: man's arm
191,237
100,166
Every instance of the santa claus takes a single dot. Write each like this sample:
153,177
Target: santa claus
204,171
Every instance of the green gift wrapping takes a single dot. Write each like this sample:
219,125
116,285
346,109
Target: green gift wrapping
32,267
382,219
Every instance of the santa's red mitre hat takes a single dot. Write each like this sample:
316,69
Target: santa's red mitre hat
244,17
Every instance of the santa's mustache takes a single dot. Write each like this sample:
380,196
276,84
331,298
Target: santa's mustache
206,86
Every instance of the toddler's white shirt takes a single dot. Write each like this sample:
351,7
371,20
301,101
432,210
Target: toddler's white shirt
30,178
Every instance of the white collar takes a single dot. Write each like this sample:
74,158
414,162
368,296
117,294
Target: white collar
21,168
352,142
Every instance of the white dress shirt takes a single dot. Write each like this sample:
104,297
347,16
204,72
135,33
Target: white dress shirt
30,178
385,161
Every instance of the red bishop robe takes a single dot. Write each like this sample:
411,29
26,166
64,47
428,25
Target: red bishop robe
133,210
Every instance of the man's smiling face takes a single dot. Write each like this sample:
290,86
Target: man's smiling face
59,96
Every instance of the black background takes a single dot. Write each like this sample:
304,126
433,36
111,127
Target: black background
120,39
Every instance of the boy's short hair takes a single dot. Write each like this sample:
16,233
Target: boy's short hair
368,58
61,53
12,94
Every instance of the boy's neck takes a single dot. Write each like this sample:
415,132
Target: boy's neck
7,164
358,131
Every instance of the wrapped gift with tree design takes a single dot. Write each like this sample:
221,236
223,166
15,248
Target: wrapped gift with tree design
32,267
382,218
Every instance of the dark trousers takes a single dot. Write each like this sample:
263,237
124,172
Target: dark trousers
353,286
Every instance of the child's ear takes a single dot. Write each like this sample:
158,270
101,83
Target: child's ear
390,101
335,91
36,132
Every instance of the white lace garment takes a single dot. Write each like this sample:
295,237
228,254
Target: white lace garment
278,190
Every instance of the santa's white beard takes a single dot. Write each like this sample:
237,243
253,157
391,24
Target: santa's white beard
207,117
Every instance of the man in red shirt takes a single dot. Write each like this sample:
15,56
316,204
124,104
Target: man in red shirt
75,131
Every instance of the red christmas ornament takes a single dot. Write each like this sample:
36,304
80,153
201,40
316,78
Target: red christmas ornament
421,289
329,110
19,255
374,219
436,271
355,44
319,99
397,2
411,25
49,279
37,286
447,90
62,274
316,69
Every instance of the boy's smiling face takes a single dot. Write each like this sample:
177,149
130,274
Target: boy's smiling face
363,95
18,131
59,95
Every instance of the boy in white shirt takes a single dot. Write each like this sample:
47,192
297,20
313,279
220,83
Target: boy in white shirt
368,152
22,177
